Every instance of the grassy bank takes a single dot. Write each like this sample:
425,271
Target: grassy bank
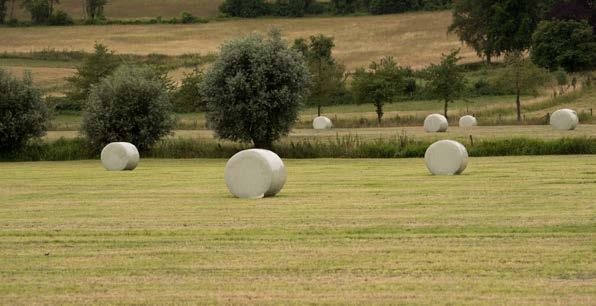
510,230
340,147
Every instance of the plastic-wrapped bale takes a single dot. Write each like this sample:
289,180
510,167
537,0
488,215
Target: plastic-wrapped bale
435,123
254,174
564,119
322,123
119,156
467,121
446,157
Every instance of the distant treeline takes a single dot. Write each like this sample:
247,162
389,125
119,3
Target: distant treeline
299,8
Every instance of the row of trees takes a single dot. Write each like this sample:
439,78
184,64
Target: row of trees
299,8
42,11
557,33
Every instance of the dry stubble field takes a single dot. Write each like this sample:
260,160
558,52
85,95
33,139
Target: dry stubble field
515,230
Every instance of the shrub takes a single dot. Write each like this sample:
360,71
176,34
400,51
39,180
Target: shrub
131,105
187,18
23,115
60,18
188,97
254,89
243,8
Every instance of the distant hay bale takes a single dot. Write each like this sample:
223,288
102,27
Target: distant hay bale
446,157
322,123
119,156
436,123
467,121
564,119
254,174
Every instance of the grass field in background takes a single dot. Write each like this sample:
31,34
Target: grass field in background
516,230
414,39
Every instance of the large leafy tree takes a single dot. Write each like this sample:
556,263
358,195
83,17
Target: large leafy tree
327,75
577,10
566,44
494,27
94,8
446,80
380,84
40,10
254,90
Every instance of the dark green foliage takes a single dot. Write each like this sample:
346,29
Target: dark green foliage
188,97
188,18
254,89
244,8
342,7
380,84
23,115
41,10
564,44
446,80
99,65
94,8
401,146
131,105
292,8
3,11
327,85
60,18
577,10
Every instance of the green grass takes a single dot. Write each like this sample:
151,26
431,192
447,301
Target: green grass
515,230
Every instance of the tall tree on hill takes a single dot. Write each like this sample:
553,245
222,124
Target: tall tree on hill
327,76
494,27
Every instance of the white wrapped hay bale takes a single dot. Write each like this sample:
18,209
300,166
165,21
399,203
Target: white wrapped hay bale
467,121
254,174
119,156
564,119
446,157
322,123
435,123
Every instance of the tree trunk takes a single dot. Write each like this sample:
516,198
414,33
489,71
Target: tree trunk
488,59
379,106
518,106
445,110
12,4
84,9
319,110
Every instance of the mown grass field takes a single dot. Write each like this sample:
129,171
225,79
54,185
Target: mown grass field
516,230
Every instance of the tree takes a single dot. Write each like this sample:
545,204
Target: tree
23,114
131,105
243,8
446,80
577,10
3,10
188,97
494,27
568,44
254,89
381,83
99,65
523,75
94,8
327,76
342,7
40,10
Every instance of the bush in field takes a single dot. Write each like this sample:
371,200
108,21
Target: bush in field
60,18
23,115
101,64
131,105
243,8
254,90
188,96
568,44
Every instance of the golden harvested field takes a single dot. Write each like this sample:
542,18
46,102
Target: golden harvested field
415,39
129,9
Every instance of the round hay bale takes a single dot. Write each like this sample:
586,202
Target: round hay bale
322,123
467,121
254,174
446,157
119,156
564,119
435,123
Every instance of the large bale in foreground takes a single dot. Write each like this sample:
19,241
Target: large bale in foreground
436,123
446,157
467,121
322,123
254,174
119,156
564,119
